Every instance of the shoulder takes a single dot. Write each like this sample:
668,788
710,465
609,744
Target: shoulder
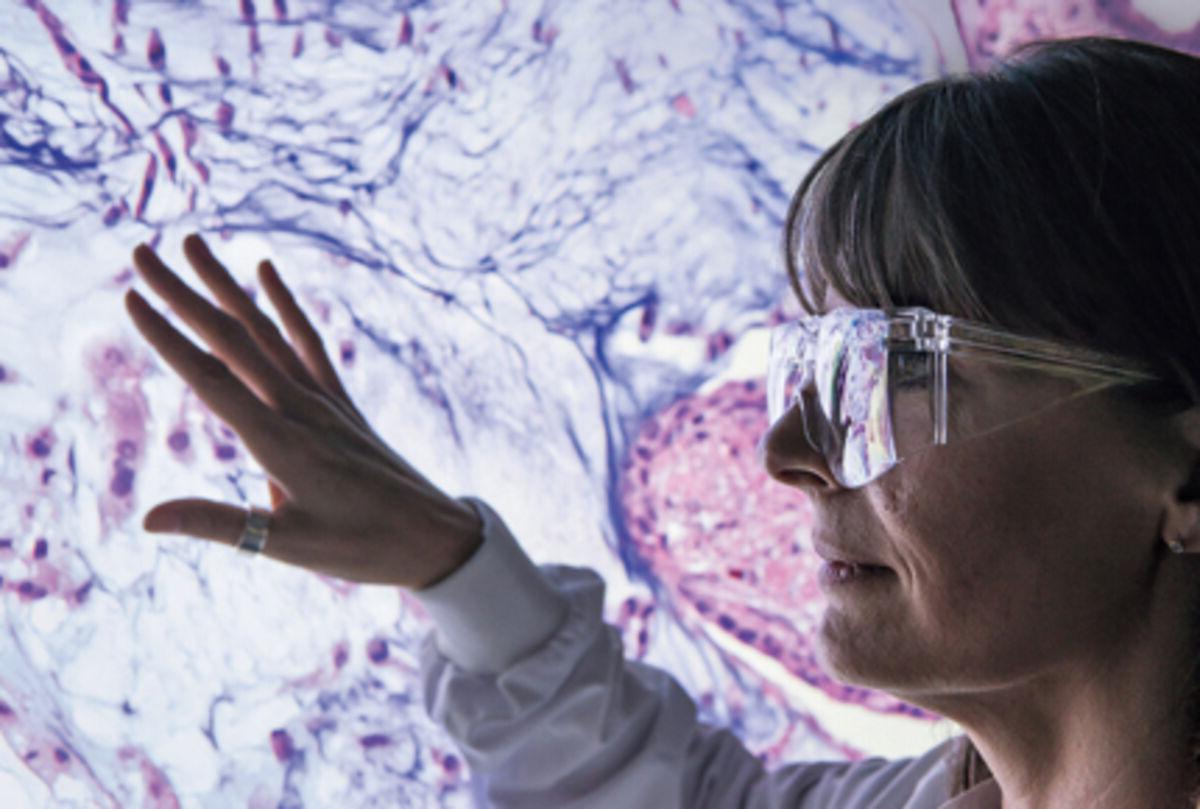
919,782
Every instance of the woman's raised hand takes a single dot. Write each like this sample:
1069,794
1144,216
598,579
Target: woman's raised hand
343,502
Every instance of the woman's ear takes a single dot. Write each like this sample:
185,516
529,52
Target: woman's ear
1189,425
1181,517
1181,521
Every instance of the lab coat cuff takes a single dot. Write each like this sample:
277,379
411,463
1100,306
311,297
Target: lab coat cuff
495,609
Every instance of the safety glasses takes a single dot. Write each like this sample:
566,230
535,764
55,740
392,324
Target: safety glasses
875,388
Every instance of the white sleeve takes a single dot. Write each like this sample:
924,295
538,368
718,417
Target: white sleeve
533,686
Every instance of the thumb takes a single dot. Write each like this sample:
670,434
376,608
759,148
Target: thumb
161,521
198,518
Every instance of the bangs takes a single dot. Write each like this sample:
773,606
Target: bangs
950,196
870,221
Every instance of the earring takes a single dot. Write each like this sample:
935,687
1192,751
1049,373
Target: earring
1176,544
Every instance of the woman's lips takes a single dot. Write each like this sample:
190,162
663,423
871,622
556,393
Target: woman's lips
833,554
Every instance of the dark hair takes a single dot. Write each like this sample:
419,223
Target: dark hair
1056,195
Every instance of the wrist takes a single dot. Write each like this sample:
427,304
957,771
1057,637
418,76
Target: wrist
465,537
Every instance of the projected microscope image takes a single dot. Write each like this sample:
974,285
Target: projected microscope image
541,243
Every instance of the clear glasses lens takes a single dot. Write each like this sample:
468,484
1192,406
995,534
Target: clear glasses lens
867,403
852,380
836,369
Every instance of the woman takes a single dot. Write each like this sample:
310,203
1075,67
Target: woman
998,495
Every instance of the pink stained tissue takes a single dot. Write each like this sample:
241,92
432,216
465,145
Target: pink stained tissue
540,243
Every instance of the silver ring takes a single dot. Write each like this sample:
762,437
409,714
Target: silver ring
254,535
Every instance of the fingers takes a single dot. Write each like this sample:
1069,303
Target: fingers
301,331
236,302
195,517
225,334
315,372
278,495
254,421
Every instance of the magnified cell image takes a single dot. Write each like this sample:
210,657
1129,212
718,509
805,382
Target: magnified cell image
541,244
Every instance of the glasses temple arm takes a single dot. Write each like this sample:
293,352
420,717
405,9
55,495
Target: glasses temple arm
1084,363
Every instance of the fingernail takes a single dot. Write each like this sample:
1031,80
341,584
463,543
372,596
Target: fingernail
160,523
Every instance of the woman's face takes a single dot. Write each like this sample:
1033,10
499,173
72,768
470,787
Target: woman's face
1008,554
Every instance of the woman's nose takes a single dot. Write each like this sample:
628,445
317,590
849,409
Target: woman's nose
788,455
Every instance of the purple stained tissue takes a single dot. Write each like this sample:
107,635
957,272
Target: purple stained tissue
540,244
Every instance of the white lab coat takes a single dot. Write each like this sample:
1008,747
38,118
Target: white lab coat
534,688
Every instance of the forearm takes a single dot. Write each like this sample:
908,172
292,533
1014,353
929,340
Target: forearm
533,686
